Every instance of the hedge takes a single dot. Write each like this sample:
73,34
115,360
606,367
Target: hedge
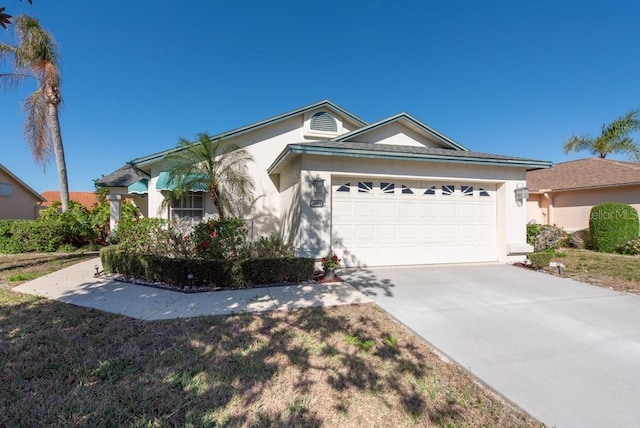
540,259
275,270
205,273
612,225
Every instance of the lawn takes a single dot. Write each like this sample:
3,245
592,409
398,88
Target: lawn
339,366
615,271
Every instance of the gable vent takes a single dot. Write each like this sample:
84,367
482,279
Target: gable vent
323,121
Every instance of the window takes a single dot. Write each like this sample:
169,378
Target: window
346,187
406,190
448,189
430,190
190,205
324,122
365,187
466,190
483,192
387,187
6,189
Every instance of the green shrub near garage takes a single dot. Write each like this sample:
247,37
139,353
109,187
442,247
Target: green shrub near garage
612,225
274,270
540,259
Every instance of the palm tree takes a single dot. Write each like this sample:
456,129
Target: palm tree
614,138
217,168
36,56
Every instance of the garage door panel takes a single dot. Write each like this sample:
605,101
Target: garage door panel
383,227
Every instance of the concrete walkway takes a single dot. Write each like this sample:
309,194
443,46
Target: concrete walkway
567,353
77,285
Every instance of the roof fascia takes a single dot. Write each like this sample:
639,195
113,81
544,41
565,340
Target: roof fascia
403,116
22,183
578,189
305,149
146,160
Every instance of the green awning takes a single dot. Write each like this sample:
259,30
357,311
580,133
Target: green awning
165,183
140,187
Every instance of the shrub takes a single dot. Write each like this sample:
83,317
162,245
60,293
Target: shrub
219,239
144,235
540,259
612,225
544,237
533,229
178,272
269,247
276,270
631,248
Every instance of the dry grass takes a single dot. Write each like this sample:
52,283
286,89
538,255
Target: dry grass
18,268
341,366
615,271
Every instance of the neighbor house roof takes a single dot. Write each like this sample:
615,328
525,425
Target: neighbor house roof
35,194
386,151
584,174
406,119
86,199
251,127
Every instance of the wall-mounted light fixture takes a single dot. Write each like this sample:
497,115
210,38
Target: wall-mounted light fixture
318,192
522,193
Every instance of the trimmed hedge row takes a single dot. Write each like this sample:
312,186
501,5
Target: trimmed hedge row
612,225
205,273
275,270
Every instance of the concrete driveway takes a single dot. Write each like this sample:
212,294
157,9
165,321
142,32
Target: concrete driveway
566,352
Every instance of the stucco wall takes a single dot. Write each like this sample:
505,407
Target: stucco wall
396,134
570,210
21,204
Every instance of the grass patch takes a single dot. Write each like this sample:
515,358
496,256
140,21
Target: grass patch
344,366
615,271
18,268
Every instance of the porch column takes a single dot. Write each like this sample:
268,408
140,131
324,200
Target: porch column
115,207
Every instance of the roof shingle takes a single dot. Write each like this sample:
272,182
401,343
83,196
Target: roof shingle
584,174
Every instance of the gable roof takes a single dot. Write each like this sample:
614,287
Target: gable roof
387,151
86,199
257,125
584,174
28,188
124,176
406,119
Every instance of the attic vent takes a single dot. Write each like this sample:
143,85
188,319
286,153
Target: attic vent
323,121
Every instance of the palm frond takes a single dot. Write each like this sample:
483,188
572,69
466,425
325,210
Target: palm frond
627,146
577,144
36,129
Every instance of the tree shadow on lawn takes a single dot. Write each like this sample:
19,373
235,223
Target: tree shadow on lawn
335,366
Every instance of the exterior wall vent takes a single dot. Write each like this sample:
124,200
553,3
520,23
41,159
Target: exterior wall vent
324,122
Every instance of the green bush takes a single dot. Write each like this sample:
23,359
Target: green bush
533,229
612,225
219,239
178,272
540,259
277,270
210,273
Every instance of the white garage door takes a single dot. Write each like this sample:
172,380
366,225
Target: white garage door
378,222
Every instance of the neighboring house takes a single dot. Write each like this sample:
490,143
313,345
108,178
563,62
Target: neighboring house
86,199
393,192
17,199
564,194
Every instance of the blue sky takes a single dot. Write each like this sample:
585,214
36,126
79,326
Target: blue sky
508,77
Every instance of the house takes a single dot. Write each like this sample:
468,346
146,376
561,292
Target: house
392,192
86,199
564,194
17,199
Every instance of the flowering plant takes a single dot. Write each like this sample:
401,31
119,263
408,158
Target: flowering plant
331,262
